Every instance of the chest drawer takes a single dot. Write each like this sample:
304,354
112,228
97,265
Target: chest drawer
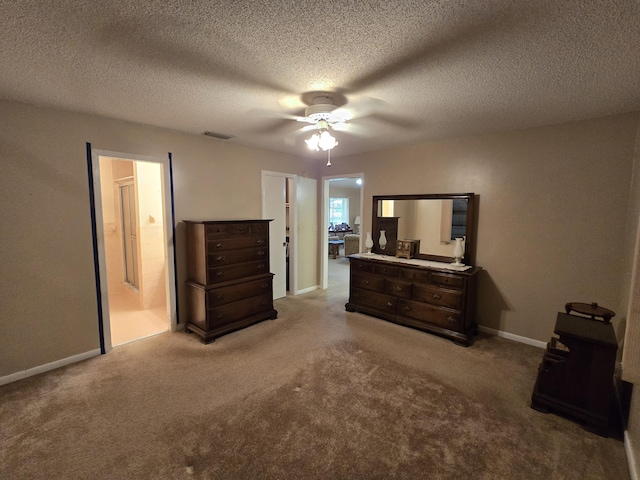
230,312
368,282
444,317
438,296
397,288
233,293
228,257
233,272
220,230
378,301
228,243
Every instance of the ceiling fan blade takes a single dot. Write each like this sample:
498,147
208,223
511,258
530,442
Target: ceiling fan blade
360,107
395,120
261,112
353,129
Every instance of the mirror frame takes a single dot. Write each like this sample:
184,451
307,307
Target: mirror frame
470,241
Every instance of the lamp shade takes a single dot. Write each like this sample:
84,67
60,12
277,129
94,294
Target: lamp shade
357,220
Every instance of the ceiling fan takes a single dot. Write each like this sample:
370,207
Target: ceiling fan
326,112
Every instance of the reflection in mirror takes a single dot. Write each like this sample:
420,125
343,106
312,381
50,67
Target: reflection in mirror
436,223
435,220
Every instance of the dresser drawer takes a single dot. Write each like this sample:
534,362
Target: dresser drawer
233,293
414,275
231,312
368,282
228,257
233,272
357,266
387,270
443,317
397,288
438,296
447,279
379,301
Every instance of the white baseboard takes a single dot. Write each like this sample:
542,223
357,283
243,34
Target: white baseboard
511,336
49,366
630,458
306,290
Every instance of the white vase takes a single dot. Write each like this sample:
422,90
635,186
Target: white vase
458,251
383,240
368,242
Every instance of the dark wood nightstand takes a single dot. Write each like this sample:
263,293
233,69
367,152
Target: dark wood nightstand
575,377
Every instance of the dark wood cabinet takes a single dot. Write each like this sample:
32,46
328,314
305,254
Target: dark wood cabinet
575,377
428,298
229,283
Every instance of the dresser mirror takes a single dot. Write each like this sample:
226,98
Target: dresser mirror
433,219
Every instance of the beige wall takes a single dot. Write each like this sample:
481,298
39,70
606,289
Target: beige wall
631,355
49,309
552,212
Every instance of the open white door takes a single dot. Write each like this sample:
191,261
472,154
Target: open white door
274,207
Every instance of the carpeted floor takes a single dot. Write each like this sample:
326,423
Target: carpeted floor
318,393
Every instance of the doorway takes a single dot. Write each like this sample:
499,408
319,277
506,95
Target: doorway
346,191
278,205
134,230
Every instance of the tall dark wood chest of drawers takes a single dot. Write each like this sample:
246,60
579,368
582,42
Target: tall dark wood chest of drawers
229,283
434,300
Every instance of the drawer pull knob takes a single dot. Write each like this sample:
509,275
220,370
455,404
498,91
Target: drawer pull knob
219,273
389,304
260,242
365,282
261,253
219,296
219,245
221,258
261,266
437,296
398,288
406,308
450,319
220,316
264,285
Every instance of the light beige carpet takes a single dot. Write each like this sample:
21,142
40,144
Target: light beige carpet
318,393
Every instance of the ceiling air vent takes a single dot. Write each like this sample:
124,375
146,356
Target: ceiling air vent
221,136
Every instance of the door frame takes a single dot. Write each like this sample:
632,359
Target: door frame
293,224
324,238
100,263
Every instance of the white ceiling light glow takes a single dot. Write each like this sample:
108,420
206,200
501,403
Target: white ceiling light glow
322,139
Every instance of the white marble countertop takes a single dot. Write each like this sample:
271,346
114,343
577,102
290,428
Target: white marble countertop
413,261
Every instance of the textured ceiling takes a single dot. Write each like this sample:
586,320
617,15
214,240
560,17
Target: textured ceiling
411,71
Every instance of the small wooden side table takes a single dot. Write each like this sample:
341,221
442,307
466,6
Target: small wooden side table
575,377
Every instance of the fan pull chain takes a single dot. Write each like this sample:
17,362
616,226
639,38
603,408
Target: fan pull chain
329,158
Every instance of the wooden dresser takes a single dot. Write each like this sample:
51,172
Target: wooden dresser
416,294
229,283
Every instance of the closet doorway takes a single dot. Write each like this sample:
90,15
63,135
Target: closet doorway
134,230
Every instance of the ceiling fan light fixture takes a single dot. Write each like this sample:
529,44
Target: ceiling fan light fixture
322,139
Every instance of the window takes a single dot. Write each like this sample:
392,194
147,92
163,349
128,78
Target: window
338,211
